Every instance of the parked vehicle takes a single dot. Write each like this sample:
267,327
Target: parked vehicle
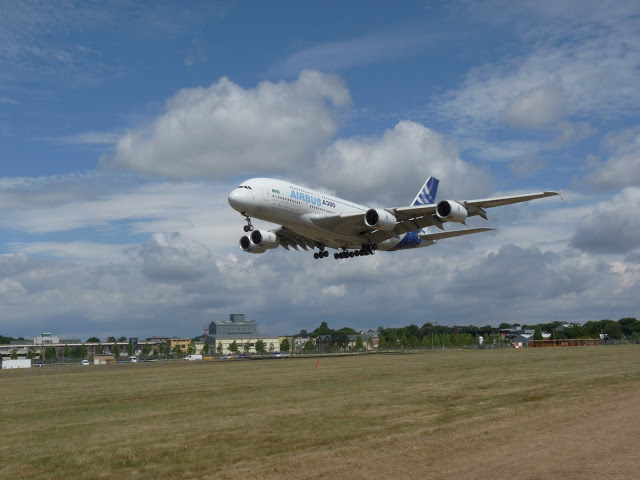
85,362
133,359
193,357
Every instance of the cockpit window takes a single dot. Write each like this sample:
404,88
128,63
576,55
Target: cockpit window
245,186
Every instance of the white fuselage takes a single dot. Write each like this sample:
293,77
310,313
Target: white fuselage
294,207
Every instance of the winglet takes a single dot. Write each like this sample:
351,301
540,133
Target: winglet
427,194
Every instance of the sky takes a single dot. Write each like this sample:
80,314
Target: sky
124,126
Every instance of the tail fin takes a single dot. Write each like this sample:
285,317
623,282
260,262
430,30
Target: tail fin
427,194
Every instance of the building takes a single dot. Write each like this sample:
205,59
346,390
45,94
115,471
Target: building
222,334
236,325
181,343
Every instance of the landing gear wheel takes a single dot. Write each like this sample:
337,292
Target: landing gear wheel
248,227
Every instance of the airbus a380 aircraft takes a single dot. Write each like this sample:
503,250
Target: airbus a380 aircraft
312,219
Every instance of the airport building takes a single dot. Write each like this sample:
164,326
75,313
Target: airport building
222,335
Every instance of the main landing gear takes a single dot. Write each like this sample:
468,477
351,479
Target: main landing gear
320,254
248,227
369,249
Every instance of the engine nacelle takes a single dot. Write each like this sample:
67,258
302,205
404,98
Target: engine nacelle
248,246
450,211
379,219
264,239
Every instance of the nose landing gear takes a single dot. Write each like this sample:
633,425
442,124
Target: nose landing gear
248,227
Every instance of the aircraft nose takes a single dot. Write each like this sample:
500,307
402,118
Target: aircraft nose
235,199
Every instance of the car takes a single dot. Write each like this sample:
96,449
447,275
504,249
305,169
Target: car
85,362
133,359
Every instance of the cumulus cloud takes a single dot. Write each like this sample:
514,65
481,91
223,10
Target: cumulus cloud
226,130
613,226
622,165
393,167
168,258
11,291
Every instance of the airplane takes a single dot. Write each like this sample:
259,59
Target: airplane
312,219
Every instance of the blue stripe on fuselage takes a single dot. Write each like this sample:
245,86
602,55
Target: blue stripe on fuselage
410,240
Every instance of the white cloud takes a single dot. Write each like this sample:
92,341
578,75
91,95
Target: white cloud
335,290
11,291
536,107
613,226
580,74
359,51
392,168
226,130
622,167
168,258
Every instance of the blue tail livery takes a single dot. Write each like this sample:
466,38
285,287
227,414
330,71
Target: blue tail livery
427,194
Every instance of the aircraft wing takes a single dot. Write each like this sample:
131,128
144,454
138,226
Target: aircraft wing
342,224
288,238
453,233
409,219
424,215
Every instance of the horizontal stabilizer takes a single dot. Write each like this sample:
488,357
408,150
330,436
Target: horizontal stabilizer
453,233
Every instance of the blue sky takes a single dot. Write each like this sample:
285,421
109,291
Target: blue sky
124,125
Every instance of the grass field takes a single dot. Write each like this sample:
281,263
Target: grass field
537,413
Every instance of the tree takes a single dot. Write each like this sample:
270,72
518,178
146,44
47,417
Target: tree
246,347
93,340
177,351
613,330
49,353
537,334
233,348
31,354
206,347
162,349
219,348
192,349
131,349
66,352
146,349
14,354
80,352
359,344
261,347
271,348
284,345
404,340
309,346
340,339
382,341
99,349
116,350
111,340
323,329
122,339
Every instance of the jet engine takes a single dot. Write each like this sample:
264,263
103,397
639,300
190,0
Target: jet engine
264,239
248,246
379,219
450,211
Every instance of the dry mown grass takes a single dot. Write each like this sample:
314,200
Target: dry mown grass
537,413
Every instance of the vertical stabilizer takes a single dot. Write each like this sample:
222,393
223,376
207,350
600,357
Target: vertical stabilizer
427,194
